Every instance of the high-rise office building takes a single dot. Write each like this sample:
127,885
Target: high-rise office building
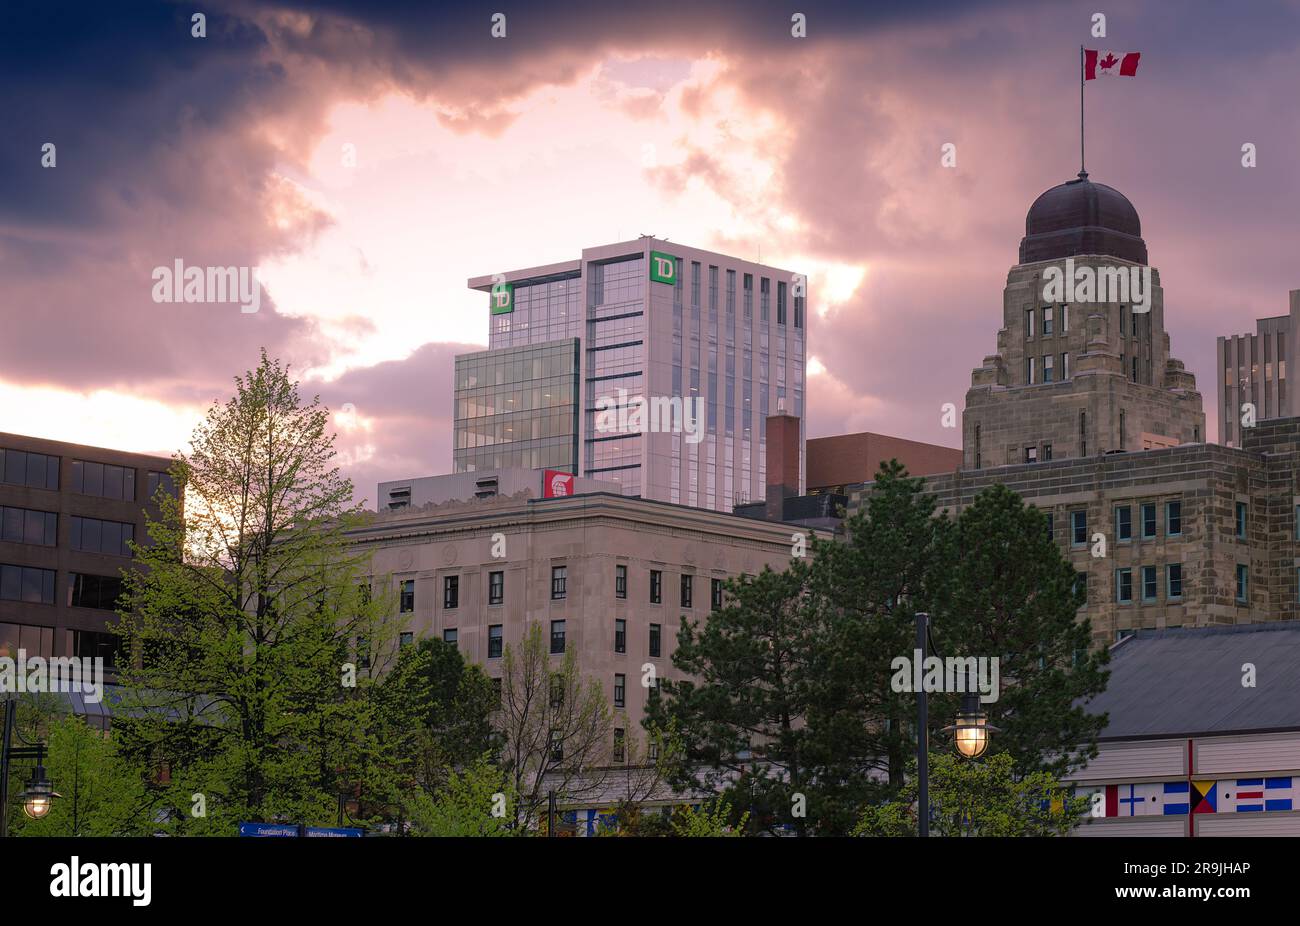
658,326
1252,371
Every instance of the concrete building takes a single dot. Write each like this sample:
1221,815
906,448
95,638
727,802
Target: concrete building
1197,743
1195,534
1252,369
1077,378
652,320
607,576
834,463
67,515
484,484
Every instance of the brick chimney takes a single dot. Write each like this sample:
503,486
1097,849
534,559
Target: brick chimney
782,461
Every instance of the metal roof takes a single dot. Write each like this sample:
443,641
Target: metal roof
1188,681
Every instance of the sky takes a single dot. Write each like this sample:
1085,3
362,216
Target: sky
368,158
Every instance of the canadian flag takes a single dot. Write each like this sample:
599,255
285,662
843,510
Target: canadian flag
1108,63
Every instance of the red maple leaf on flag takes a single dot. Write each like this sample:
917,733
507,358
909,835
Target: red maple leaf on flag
1109,61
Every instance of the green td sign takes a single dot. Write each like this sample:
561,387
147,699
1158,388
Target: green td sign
663,268
503,298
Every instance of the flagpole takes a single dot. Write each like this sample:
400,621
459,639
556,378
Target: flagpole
1083,172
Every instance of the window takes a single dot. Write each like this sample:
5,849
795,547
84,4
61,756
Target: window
620,636
1081,587
1029,324
1048,368
90,644
1241,520
620,690
1124,586
1148,583
495,641
450,592
557,745
1031,454
656,586
162,481
363,653
557,690
1079,527
1051,527
450,635
23,525
1065,318
1124,523
94,536
559,581
620,745
1148,520
103,480
715,594
1047,452
654,639
1029,370
1173,518
1174,581
407,603
1047,320
1065,367
25,583
405,638
1243,583
557,636
496,587
620,581
1083,434
688,584
34,470
86,591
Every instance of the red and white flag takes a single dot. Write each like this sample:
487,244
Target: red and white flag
1109,63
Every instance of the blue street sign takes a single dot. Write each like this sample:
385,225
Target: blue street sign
333,832
268,829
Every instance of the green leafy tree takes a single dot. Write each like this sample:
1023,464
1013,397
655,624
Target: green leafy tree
979,798
100,793
715,818
475,801
254,640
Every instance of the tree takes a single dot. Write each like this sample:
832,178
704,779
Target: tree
436,711
1013,596
981,798
100,793
742,711
475,801
254,640
709,821
554,727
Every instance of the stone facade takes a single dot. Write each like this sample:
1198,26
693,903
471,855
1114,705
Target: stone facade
589,537
1207,483
1074,380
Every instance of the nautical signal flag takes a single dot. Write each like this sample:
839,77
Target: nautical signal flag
1256,795
1205,797
1109,63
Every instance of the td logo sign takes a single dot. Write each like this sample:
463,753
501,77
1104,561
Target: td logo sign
503,298
663,268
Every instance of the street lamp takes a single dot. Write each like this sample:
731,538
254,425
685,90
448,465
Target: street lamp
39,793
972,729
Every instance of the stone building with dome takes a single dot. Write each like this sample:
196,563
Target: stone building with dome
1083,411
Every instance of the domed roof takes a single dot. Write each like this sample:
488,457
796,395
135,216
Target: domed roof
1082,217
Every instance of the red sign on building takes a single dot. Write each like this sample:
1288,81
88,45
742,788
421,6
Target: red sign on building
556,484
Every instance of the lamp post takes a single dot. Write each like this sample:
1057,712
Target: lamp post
39,794
971,730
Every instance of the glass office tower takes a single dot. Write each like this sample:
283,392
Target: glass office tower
518,407
657,321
